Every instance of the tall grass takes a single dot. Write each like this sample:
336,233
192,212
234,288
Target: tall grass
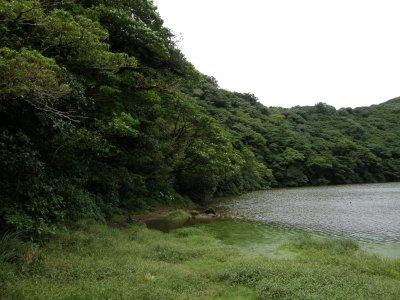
93,261
9,245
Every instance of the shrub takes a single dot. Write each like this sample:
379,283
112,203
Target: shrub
177,217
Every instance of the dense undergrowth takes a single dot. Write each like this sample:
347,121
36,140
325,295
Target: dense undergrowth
101,112
93,261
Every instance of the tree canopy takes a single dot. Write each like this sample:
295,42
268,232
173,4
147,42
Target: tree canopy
100,111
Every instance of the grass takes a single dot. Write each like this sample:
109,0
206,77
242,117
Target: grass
9,244
220,260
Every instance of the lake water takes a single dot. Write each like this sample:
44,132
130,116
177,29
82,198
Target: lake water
369,212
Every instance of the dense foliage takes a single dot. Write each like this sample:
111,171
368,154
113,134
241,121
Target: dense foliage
99,110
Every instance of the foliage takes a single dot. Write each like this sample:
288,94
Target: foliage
177,217
100,111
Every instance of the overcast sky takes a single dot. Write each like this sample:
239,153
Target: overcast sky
291,52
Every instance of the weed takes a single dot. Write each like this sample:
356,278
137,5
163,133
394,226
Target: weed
94,261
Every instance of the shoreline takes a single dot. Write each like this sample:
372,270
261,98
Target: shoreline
156,220
216,260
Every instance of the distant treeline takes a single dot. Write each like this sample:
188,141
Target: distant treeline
100,111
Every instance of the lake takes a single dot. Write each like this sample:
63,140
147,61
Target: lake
368,212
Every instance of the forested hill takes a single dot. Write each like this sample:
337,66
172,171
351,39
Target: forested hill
100,111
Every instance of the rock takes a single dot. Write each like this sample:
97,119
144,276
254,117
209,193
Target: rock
210,211
194,213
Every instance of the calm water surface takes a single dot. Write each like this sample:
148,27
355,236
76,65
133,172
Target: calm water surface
365,211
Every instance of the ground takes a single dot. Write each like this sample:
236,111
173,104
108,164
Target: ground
225,259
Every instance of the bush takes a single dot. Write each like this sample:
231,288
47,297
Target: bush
177,217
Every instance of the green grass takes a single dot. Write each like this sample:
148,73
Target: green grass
177,217
220,260
9,244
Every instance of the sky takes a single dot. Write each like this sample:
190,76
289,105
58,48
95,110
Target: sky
288,52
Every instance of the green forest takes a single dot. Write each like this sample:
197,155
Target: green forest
101,112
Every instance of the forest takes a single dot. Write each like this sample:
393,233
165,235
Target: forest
101,112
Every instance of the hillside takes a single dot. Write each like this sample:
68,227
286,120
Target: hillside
100,111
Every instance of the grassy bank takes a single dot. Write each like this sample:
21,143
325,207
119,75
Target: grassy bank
220,260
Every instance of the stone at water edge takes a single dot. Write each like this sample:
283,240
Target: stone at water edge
210,211
194,213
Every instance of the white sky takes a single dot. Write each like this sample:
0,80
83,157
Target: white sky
292,52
